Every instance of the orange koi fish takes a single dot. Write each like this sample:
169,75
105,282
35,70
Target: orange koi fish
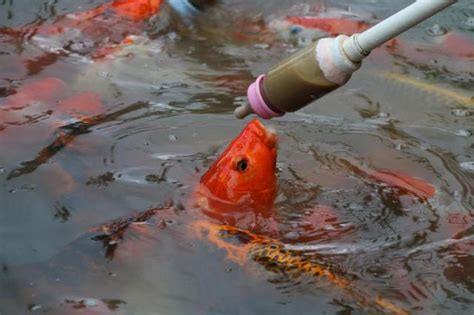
276,258
451,44
110,14
38,91
37,111
330,25
406,183
47,98
308,28
86,32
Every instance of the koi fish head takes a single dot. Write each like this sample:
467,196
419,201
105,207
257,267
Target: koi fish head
243,178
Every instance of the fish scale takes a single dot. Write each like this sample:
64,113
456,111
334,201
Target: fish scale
274,257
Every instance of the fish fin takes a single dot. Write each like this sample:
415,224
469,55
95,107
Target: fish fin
410,184
321,216
213,232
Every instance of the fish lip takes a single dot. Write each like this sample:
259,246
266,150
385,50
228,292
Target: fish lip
271,137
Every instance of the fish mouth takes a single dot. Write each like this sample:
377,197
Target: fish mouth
267,134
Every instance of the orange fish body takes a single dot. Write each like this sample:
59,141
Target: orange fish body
457,45
30,104
38,91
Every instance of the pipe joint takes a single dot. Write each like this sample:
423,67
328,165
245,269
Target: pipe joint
333,61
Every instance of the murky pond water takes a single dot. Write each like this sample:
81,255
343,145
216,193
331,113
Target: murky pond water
114,127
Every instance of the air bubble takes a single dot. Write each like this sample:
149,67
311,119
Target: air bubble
467,166
437,30
401,146
463,133
470,22
34,307
292,235
461,113
262,46
90,302
104,74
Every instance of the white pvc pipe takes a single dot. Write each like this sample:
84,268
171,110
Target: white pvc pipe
360,45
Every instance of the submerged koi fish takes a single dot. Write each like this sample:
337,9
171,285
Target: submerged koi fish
113,14
455,95
85,32
329,25
313,27
276,258
47,99
39,111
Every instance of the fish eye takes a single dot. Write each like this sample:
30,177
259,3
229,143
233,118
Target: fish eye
242,165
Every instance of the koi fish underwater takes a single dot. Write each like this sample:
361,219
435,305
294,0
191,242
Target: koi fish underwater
302,29
33,118
85,36
104,25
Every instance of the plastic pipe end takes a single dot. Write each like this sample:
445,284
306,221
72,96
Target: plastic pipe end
256,103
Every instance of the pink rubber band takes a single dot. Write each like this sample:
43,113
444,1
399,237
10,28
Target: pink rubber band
257,102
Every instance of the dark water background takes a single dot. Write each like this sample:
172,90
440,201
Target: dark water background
170,111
